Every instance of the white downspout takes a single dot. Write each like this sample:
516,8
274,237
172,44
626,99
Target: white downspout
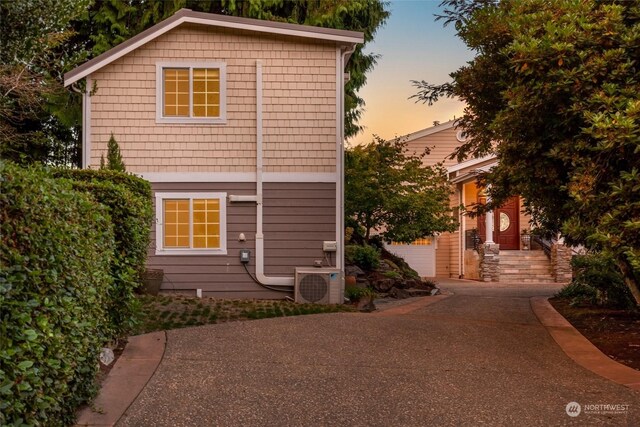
86,122
273,281
340,158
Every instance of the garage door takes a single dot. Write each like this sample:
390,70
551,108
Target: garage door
420,255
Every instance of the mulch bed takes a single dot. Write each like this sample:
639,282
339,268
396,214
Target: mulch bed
615,332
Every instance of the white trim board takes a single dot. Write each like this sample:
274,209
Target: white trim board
158,177
470,162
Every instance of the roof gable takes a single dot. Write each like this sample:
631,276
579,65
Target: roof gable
182,16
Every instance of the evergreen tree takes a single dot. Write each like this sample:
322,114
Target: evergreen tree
114,157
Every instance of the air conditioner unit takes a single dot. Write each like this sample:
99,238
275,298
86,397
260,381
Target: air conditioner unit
319,286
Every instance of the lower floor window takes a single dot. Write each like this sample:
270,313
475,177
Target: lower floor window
191,223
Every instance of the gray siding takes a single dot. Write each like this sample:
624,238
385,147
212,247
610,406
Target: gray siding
297,218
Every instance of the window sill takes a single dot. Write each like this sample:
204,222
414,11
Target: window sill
190,252
190,121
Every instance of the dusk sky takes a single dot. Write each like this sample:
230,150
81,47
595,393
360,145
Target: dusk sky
413,47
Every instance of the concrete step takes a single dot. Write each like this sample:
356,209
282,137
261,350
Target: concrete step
526,272
523,265
529,279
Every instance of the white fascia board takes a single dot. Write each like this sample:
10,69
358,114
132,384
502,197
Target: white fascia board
428,131
318,177
117,55
471,162
272,30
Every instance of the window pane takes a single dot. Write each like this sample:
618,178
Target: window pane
199,242
199,216
206,92
176,223
176,91
213,242
207,232
199,229
213,111
198,111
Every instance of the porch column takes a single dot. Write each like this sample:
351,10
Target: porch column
488,220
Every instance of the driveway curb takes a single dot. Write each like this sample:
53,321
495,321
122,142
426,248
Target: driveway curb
580,349
125,381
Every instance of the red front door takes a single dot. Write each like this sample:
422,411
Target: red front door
506,224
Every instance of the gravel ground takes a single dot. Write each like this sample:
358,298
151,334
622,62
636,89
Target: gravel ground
479,357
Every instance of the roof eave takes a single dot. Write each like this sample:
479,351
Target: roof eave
341,37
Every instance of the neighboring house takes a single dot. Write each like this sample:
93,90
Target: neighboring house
238,125
455,254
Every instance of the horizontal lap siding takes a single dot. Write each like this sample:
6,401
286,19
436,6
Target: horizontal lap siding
299,105
440,144
298,217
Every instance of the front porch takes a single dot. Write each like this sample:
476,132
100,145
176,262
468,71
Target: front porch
499,246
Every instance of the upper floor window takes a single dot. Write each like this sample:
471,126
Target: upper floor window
189,93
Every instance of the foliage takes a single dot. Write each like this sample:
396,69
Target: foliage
392,274
554,92
164,312
134,183
131,215
36,116
355,294
364,256
388,190
114,157
597,281
55,250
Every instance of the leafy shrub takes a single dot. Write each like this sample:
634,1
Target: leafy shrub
355,294
366,257
597,281
56,249
128,199
134,183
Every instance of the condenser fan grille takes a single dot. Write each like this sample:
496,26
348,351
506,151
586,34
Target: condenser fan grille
314,287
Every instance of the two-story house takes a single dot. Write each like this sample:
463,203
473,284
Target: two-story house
238,125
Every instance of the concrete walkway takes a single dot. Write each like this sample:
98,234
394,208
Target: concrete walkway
477,357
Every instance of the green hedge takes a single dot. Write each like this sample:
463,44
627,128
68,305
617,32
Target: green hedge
128,199
56,249
134,183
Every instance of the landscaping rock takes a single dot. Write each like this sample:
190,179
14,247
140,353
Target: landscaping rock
366,305
399,293
382,285
353,270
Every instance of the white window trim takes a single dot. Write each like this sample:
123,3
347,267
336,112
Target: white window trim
160,250
160,118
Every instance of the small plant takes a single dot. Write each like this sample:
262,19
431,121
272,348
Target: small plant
366,257
392,274
355,294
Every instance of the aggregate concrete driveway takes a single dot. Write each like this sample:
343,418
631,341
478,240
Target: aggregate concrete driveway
479,357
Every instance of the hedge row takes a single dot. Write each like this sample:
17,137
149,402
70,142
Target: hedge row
128,200
56,251
73,246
